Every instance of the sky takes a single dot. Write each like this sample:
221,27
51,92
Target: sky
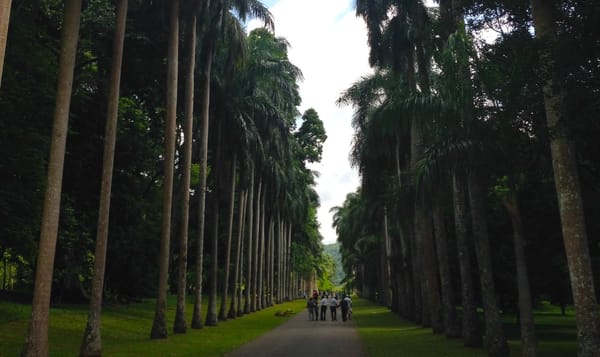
329,44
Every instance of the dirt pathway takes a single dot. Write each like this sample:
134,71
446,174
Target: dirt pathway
299,337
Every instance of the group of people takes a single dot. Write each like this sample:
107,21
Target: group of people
317,308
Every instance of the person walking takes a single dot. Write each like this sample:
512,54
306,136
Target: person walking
349,302
324,303
333,305
310,305
345,306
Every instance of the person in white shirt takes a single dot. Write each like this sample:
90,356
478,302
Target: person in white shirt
324,303
333,307
346,306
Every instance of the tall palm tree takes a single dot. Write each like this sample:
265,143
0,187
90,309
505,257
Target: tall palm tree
91,344
207,59
450,23
218,15
211,310
456,87
159,326
226,265
249,235
451,323
255,245
36,342
566,178
236,286
180,325
526,322
472,336
4,21
495,340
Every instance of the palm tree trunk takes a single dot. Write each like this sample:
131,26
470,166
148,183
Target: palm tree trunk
211,310
255,241
271,259
240,310
262,255
249,246
451,325
430,270
472,336
279,239
211,313
180,325
386,260
91,344
205,106
4,21
566,178
226,268
415,244
236,285
36,342
159,326
527,324
288,261
494,334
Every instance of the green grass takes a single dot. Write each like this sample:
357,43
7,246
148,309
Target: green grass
385,334
126,330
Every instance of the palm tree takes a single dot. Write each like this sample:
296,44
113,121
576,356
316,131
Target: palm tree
456,87
159,326
451,18
472,336
36,343
211,310
566,178
526,322
255,244
249,230
207,59
218,13
236,286
180,325
451,323
229,234
4,21
91,344
495,339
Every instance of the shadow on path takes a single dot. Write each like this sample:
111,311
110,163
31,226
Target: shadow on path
300,338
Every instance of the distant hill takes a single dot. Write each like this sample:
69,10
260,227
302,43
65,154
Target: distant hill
334,251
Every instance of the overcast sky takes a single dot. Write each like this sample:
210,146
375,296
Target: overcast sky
329,44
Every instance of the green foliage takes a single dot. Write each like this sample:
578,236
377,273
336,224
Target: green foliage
334,251
311,136
326,272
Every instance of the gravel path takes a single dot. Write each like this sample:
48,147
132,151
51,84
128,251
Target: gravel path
299,337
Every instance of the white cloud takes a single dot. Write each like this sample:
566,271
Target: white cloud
329,44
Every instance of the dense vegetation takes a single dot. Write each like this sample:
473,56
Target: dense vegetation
479,166
334,251
182,131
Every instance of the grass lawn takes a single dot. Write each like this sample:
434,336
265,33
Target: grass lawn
385,334
126,330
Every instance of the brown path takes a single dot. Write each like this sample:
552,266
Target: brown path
299,337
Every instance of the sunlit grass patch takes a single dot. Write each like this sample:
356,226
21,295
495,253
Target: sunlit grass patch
126,330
